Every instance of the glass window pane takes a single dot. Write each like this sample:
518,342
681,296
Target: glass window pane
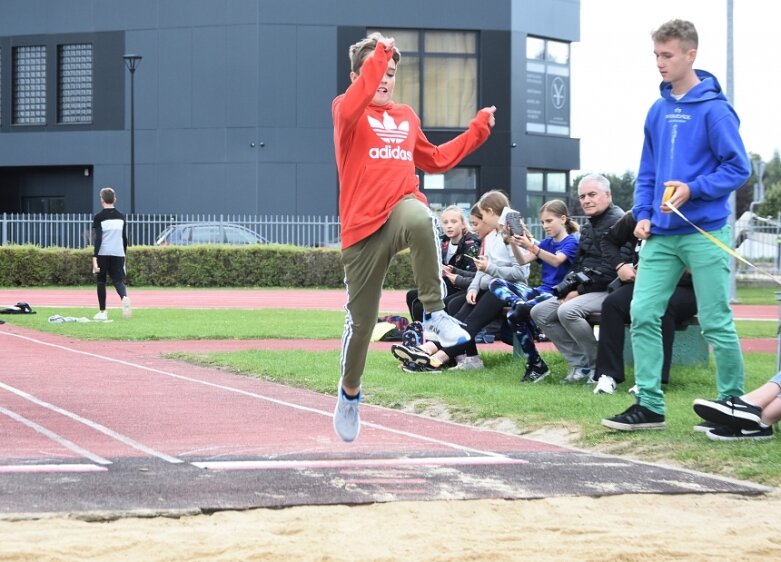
449,92
74,83
558,52
533,203
534,181
408,82
406,40
557,181
29,85
450,42
535,48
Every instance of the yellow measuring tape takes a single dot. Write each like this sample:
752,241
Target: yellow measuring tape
722,245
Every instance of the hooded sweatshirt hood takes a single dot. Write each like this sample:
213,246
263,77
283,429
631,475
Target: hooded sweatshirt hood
694,140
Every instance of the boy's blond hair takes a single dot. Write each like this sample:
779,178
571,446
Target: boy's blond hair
360,50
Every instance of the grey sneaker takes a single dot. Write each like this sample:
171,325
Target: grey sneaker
473,363
446,329
578,374
347,419
101,316
127,312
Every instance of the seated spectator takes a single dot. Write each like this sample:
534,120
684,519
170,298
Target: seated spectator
459,247
480,306
555,254
564,319
749,417
615,308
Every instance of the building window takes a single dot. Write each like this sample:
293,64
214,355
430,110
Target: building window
1,87
29,100
547,86
437,75
542,186
74,83
456,187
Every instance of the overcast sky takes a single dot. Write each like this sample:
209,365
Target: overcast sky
614,76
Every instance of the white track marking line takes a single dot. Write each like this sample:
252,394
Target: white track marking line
329,414
351,463
54,437
94,425
39,468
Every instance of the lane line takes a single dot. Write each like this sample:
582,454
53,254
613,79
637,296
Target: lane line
92,424
276,401
352,463
48,468
54,437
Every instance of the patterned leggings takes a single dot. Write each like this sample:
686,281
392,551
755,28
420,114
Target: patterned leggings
521,299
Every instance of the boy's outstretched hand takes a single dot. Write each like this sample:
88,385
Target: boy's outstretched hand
491,119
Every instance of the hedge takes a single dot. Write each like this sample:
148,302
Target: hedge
195,266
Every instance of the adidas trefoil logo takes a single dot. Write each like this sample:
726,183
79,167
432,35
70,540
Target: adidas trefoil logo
388,131
391,134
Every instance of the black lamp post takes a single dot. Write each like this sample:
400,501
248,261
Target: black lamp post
131,61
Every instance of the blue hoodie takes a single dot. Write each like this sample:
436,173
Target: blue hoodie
695,141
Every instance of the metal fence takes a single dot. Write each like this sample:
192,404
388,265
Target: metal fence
75,230
758,240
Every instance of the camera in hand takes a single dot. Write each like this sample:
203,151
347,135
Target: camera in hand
570,283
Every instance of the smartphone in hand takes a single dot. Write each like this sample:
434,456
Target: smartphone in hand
514,222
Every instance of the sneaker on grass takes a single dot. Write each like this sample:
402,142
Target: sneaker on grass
634,418
736,434
732,412
347,419
578,374
127,312
605,385
411,355
410,367
473,363
446,329
535,372
101,316
706,426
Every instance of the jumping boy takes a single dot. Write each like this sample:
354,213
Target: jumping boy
378,145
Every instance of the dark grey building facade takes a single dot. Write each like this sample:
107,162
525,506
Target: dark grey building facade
232,99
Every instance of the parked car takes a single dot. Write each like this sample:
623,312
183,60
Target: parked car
208,233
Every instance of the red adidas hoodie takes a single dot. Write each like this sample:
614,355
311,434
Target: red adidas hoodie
379,147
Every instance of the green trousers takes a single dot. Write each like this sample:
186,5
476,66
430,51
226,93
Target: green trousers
662,260
410,225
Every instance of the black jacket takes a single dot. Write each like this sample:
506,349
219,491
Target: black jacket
590,258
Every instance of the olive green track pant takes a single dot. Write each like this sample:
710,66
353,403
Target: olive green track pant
410,225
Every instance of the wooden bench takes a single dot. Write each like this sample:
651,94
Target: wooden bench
689,347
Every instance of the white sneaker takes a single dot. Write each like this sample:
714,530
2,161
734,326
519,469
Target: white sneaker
126,311
605,385
446,329
347,418
633,390
102,315
469,364
578,374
